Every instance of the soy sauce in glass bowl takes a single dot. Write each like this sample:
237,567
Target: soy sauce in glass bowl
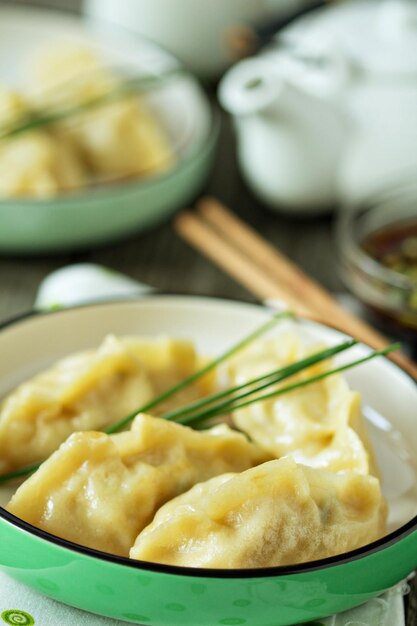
395,247
377,241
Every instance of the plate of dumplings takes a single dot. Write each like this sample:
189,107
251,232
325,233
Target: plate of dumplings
149,452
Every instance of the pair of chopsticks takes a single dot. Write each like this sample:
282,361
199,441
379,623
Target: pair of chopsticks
268,274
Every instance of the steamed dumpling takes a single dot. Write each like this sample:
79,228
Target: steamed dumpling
67,74
278,513
101,491
90,390
117,139
13,106
34,163
320,425
122,139
38,165
105,138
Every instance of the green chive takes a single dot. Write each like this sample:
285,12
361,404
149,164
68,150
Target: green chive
23,471
267,380
200,373
183,416
127,87
233,405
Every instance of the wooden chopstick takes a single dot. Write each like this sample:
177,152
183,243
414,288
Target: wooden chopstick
199,234
285,272
267,273
265,255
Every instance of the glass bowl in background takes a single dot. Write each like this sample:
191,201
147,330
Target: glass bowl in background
377,243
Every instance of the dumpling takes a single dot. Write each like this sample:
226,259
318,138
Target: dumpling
101,490
35,163
117,139
167,361
90,390
38,165
278,513
122,139
13,107
320,425
67,74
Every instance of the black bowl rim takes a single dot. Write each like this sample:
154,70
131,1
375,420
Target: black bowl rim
266,572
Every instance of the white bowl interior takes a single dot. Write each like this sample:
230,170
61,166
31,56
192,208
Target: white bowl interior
389,395
180,104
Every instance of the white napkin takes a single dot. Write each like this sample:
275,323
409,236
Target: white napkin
86,282
20,605
78,284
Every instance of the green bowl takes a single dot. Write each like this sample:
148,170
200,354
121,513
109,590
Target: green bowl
80,221
158,595
98,215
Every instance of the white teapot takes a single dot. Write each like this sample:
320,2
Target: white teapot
329,112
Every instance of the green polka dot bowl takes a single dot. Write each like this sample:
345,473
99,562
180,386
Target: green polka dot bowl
148,593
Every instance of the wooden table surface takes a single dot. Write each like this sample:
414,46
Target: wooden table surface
161,259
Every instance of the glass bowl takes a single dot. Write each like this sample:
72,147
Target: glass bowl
382,224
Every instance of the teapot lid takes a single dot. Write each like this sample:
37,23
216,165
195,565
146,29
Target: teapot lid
376,36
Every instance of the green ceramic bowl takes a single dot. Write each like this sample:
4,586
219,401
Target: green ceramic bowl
146,593
94,216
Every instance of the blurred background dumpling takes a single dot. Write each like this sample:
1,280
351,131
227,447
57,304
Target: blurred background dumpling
122,139
34,163
118,139
67,73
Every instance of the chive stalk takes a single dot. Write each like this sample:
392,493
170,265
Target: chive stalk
266,380
49,115
19,473
234,404
200,373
